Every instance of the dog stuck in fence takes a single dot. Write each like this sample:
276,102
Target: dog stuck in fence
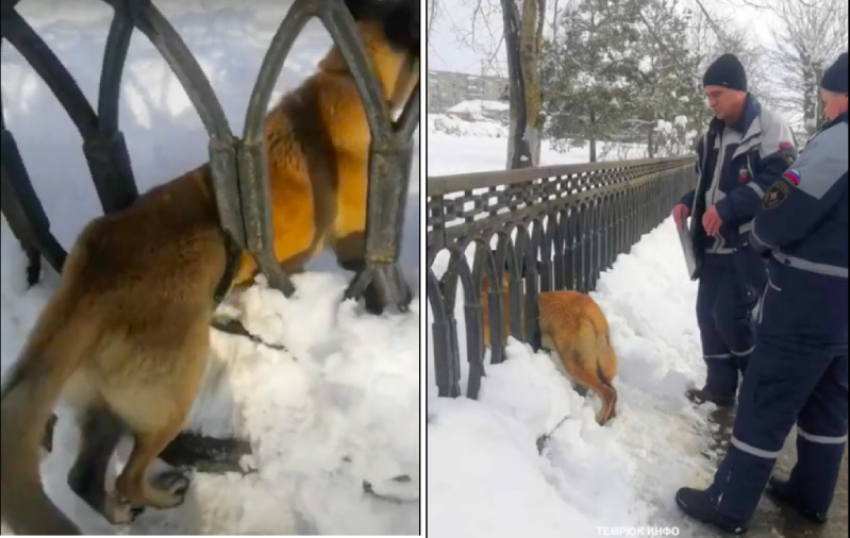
573,326
126,335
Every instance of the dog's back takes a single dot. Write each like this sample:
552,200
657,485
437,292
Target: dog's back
573,325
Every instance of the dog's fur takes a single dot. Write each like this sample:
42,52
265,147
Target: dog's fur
575,328
125,336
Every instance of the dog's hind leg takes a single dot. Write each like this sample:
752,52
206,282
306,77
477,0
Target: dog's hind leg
155,412
101,432
164,491
586,374
580,359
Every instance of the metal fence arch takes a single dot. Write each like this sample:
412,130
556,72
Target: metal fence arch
554,228
238,165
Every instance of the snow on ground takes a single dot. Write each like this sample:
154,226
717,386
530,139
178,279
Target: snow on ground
485,476
339,407
439,124
479,107
456,146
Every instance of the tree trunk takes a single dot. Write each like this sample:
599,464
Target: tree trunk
649,148
592,139
532,41
555,22
519,151
811,77
432,17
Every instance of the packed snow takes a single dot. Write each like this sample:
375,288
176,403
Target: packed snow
485,476
340,407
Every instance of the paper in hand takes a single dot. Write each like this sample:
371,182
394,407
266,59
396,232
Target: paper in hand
688,250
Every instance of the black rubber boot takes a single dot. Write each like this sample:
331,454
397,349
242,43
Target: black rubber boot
699,505
781,493
700,396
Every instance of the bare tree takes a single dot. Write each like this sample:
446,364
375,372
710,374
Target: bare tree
521,35
434,10
481,32
810,35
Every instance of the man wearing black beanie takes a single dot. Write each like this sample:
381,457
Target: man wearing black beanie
833,88
745,150
798,370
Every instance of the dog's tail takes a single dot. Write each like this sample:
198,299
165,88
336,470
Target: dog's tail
606,360
54,351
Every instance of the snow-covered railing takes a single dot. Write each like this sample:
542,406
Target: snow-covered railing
238,165
239,168
550,228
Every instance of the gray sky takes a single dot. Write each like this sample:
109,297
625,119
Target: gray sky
448,52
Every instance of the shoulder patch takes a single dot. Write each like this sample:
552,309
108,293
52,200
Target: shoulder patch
793,176
778,192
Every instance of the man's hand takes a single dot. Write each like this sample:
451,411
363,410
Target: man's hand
680,213
711,221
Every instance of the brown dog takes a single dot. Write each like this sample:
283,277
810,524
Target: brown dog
575,328
126,334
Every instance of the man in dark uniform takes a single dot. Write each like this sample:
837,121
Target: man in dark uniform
745,150
798,372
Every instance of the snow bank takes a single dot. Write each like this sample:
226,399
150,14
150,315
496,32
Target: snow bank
479,106
456,146
483,453
452,125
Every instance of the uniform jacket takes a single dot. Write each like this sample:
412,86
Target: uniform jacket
735,165
803,222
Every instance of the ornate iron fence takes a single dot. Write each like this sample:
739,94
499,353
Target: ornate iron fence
554,228
238,165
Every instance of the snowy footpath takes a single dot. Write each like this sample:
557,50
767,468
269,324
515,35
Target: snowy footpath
485,475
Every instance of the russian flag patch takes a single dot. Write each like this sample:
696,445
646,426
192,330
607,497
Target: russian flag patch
793,176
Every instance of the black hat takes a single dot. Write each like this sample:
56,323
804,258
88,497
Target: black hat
835,77
726,71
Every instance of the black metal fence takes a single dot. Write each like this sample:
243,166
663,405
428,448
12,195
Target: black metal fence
554,228
238,165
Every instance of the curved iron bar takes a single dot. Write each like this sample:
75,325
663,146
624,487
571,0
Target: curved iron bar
223,146
104,148
553,228
238,168
35,51
23,210
390,152
444,328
